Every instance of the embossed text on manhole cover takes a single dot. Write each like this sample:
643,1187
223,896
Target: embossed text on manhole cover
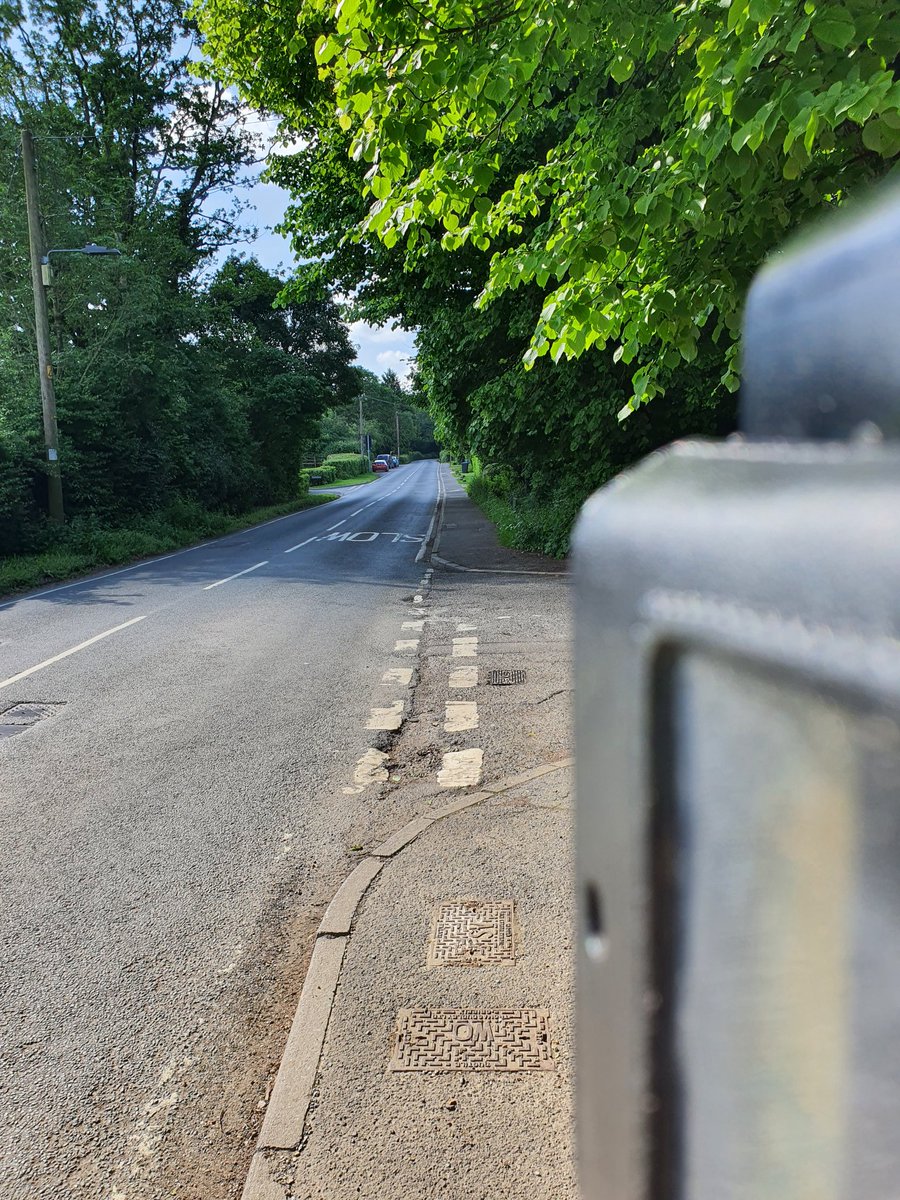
503,678
466,1039
472,932
28,712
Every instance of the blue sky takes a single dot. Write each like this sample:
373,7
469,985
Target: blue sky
379,348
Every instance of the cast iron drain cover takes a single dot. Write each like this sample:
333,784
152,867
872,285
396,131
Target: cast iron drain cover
466,1039
472,932
505,678
29,712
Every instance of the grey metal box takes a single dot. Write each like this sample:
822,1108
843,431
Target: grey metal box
737,737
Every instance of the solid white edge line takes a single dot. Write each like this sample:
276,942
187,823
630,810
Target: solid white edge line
246,571
421,553
299,544
74,650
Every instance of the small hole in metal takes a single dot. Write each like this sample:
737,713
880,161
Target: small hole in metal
595,942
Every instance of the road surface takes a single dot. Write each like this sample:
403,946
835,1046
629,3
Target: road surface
172,830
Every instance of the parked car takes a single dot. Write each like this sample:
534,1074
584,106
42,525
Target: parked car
395,461
382,463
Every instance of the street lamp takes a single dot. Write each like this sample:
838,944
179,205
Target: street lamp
90,248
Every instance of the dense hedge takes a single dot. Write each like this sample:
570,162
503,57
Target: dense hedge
348,465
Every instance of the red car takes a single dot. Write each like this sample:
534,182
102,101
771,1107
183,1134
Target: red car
381,463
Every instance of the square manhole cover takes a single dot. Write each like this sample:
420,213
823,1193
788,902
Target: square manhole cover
28,712
504,678
472,932
465,1039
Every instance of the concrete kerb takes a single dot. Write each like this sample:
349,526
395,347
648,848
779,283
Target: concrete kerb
282,1129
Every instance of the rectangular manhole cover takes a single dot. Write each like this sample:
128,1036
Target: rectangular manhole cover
18,717
504,678
465,1039
29,712
472,932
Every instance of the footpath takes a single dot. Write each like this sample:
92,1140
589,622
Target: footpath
431,1054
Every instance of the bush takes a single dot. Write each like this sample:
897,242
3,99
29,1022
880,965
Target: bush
348,465
316,476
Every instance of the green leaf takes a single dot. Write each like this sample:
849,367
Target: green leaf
622,68
833,26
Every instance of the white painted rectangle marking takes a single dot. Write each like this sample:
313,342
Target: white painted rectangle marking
386,718
460,715
401,675
464,677
236,575
418,626
460,768
466,628
369,769
465,647
48,662
407,644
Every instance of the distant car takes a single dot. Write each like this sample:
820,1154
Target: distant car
382,463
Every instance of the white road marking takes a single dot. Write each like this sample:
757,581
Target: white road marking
338,525
299,544
401,675
48,662
418,626
466,628
386,718
236,575
356,514
464,677
417,599
437,505
460,768
369,769
465,647
407,644
460,715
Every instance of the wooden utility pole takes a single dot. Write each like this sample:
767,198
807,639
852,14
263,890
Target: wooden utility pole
397,427
42,330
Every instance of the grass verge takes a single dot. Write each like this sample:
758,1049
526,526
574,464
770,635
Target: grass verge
84,546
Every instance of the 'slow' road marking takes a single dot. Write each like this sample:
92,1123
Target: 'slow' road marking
65,654
464,677
460,768
460,715
246,571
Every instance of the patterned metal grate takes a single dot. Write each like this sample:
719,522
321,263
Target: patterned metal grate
472,932
465,1039
504,678
28,712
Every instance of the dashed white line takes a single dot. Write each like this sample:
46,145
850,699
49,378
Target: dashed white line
407,644
356,514
418,626
401,675
337,525
460,768
48,662
299,544
460,715
464,677
369,769
386,718
236,575
465,647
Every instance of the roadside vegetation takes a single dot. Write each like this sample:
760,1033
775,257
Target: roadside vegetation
190,392
566,202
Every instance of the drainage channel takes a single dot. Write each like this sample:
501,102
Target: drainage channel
24,714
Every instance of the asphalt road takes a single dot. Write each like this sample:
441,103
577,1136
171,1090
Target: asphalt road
170,834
